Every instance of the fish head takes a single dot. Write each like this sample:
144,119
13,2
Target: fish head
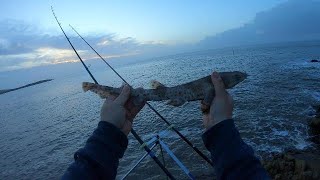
233,78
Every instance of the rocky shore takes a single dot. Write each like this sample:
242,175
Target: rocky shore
314,125
297,164
294,165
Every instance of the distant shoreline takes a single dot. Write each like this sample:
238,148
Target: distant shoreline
3,91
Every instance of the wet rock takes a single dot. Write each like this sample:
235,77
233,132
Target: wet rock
317,109
315,122
294,165
315,60
314,125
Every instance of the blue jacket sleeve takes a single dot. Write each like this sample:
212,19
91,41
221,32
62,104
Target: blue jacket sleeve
233,158
99,159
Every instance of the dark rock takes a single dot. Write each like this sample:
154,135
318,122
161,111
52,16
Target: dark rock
314,126
294,165
315,130
317,109
307,164
315,123
314,60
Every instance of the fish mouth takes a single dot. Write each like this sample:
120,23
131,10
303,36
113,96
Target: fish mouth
235,78
240,76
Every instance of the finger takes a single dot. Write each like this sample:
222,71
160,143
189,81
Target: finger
134,109
129,116
127,127
218,84
205,109
110,99
205,118
208,98
230,99
129,104
124,95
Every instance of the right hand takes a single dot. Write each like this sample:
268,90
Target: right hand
222,105
120,111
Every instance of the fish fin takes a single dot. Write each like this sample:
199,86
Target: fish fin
156,84
86,86
176,102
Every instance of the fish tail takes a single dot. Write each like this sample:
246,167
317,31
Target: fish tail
86,86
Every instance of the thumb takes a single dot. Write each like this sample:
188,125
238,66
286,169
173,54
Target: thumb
123,96
218,84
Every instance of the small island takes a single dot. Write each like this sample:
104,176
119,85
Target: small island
28,85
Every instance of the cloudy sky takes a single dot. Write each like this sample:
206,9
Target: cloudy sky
29,35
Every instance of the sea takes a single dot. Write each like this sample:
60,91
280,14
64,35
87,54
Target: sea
42,126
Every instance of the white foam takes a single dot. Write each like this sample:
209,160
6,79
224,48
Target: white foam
281,133
316,95
302,144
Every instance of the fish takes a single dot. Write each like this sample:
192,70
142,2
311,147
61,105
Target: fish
200,89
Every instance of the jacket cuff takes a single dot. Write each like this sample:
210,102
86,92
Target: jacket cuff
107,139
217,133
225,144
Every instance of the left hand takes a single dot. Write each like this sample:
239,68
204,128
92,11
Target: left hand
221,107
120,111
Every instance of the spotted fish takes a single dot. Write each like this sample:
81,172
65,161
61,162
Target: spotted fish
201,89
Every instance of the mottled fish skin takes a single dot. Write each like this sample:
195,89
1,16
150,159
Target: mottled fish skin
201,89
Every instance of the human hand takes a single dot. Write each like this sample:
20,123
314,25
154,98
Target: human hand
120,111
222,105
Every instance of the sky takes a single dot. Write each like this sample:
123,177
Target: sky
293,21
161,21
29,35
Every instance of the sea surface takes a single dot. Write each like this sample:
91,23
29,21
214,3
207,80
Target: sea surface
42,126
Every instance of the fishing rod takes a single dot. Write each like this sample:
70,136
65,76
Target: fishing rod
149,105
85,66
151,154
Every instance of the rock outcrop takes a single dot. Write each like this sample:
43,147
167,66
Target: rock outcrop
315,130
298,164
314,125
294,165
317,109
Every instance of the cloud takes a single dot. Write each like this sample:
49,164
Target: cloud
104,42
294,20
23,45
